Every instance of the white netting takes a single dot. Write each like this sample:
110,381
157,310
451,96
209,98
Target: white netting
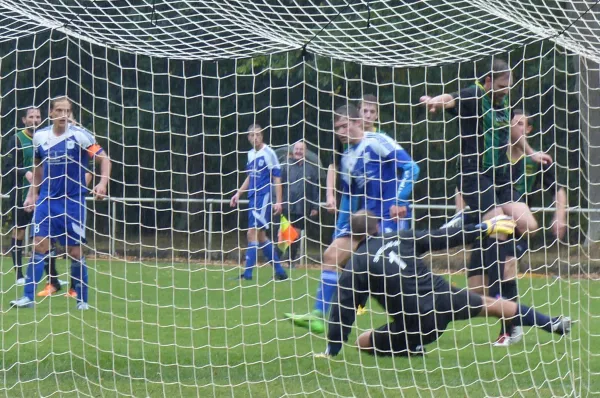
166,318
402,33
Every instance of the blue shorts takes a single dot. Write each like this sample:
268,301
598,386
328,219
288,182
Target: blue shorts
342,229
259,211
61,220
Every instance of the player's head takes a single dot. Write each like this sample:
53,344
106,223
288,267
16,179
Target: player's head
256,136
498,80
32,118
520,126
299,150
60,111
364,223
347,124
367,107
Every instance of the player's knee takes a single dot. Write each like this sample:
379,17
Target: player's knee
336,256
75,252
252,235
41,245
475,284
495,212
364,342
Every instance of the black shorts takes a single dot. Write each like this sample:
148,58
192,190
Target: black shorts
481,193
21,218
408,332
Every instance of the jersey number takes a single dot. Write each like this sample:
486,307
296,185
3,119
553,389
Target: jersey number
393,257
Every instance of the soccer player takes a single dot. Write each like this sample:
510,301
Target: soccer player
390,268
527,175
485,181
57,192
263,171
369,110
19,160
369,170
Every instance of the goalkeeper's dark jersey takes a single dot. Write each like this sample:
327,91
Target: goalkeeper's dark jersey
390,268
484,129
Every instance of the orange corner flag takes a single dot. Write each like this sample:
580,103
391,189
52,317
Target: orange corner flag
287,234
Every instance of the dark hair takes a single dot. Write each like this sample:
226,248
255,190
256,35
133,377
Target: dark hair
31,108
519,112
367,99
347,111
256,126
363,222
56,100
499,68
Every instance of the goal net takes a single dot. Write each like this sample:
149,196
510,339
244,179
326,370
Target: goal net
170,88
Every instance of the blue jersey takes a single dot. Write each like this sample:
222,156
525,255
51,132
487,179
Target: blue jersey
370,172
65,158
261,167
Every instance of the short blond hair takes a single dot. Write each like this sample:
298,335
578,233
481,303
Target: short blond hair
56,100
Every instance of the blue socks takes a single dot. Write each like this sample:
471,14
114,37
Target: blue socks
35,271
79,275
325,291
530,317
251,254
271,255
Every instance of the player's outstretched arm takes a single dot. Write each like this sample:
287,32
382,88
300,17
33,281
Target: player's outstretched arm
441,239
442,101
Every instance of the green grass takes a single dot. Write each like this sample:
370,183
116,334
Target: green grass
173,330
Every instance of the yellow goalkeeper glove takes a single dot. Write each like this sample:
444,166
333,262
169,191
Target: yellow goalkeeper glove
498,225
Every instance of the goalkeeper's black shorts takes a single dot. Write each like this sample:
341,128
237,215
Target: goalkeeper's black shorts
408,332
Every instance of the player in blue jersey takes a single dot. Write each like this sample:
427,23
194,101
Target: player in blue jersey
377,175
61,155
369,110
263,172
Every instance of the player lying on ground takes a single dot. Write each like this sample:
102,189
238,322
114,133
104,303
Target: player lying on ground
377,174
422,304
62,152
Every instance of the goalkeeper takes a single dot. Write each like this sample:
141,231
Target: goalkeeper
422,304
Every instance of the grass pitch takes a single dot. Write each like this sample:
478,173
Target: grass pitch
160,329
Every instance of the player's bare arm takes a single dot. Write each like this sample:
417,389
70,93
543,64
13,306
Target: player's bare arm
277,207
36,181
331,202
442,101
236,198
101,189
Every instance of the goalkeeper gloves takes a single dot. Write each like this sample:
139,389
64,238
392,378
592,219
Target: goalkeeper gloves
498,225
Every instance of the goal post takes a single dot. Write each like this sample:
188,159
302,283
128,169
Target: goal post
170,88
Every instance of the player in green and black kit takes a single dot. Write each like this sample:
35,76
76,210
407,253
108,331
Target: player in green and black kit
19,160
529,177
485,182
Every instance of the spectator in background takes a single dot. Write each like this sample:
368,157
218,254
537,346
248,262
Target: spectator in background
301,192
